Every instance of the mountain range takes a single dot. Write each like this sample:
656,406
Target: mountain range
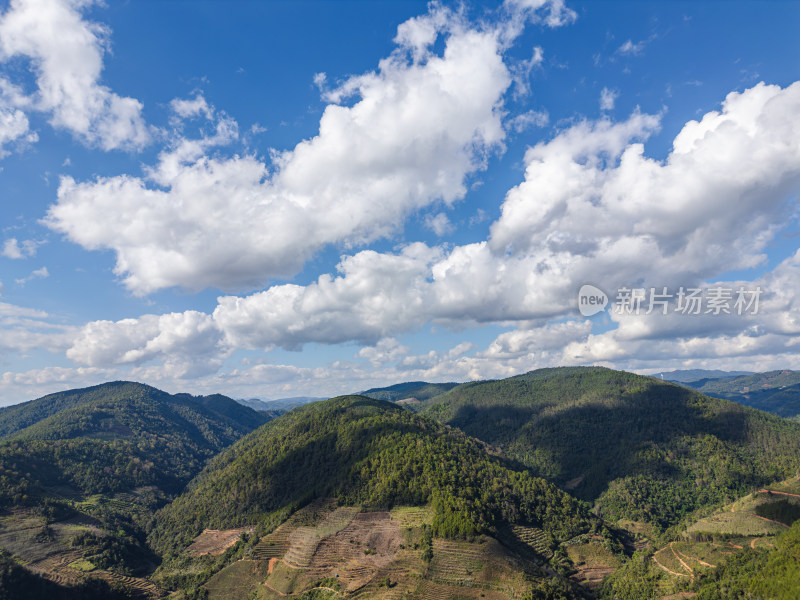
559,483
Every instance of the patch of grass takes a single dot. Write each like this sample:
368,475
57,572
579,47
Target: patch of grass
285,579
238,580
82,565
591,556
412,516
743,523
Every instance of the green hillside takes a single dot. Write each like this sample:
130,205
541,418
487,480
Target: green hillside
367,453
747,549
644,449
771,573
113,438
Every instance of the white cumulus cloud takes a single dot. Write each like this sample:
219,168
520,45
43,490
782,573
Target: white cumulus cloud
66,56
415,129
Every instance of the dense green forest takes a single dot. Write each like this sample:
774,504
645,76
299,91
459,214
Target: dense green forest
642,448
371,453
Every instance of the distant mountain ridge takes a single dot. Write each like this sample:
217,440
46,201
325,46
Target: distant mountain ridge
279,406
20,416
686,375
777,392
417,390
82,471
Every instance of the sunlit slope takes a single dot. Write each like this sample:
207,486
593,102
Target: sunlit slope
746,549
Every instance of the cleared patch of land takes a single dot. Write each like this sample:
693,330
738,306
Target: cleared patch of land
592,563
216,541
341,552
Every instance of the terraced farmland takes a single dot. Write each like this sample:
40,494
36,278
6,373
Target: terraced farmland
64,568
534,538
277,543
141,587
55,567
684,560
412,516
456,563
746,516
429,590
273,545
364,553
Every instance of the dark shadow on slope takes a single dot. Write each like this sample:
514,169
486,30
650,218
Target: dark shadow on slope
587,445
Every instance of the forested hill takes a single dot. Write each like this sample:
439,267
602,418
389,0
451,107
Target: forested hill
645,449
113,437
370,453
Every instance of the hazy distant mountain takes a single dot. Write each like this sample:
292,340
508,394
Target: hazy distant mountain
279,406
777,392
686,375
416,390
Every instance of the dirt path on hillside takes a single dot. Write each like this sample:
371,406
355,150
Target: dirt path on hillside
670,571
680,560
771,521
687,557
765,491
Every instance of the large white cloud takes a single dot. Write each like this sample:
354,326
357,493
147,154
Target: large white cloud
66,56
418,126
592,198
768,332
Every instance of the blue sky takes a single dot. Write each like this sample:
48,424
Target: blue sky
309,198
